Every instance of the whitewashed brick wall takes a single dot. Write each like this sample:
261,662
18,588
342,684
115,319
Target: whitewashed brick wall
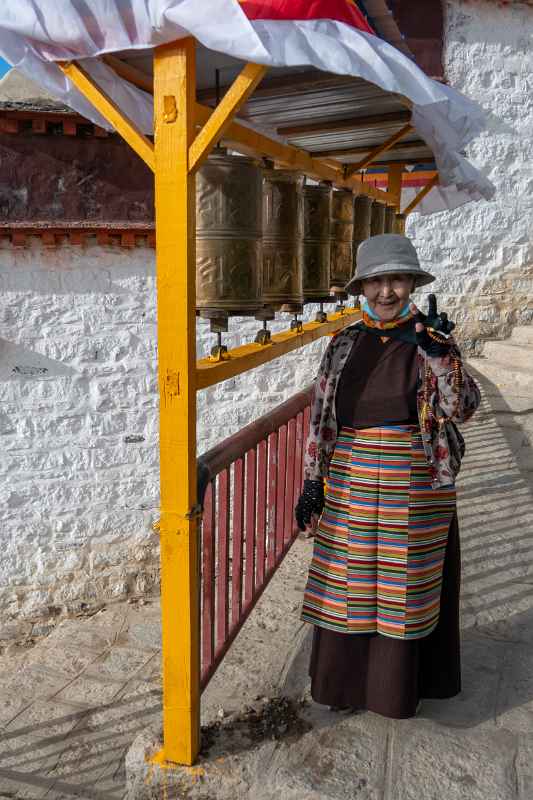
78,443
79,425
483,253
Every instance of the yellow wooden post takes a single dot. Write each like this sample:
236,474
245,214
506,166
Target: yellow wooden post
394,184
174,105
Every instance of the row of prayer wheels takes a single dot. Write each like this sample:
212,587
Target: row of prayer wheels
267,241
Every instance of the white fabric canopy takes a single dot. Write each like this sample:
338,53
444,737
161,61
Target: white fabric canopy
35,33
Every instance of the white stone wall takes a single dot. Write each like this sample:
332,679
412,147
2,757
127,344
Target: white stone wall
78,416
483,253
79,425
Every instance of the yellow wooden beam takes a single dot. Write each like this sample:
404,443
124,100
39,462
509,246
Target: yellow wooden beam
350,169
222,116
425,174
175,91
129,73
290,157
252,355
108,109
420,196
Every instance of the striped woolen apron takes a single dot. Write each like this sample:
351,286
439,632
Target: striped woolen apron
379,549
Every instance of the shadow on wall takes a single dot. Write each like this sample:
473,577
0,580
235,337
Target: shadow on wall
17,362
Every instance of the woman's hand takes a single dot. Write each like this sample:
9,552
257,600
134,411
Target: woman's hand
434,342
311,503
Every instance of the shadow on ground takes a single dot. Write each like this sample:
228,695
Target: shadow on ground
81,753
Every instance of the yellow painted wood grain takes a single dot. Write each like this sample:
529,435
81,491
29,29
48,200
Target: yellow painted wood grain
174,100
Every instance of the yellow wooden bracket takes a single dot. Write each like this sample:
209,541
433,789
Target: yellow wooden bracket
252,355
350,169
222,116
420,196
108,109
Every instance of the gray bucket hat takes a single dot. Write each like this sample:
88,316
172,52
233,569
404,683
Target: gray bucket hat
384,254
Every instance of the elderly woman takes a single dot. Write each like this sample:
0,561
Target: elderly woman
383,586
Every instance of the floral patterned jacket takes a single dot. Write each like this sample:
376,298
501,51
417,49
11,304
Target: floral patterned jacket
446,394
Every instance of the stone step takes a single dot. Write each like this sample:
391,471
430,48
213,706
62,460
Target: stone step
522,334
510,354
507,377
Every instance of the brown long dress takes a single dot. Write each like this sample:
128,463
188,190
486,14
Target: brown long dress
371,671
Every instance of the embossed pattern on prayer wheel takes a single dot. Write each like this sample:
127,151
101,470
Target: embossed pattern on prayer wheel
229,235
377,222
316,242
282,278
390,219
362,213
341,263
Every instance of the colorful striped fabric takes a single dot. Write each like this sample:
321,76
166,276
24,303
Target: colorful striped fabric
379,549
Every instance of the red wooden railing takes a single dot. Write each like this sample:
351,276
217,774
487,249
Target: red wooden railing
249,485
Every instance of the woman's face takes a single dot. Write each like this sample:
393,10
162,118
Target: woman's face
388,294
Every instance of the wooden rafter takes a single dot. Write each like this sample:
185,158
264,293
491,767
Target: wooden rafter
348,124
361,150
351,169
294,83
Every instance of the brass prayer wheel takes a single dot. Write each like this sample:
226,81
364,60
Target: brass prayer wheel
362,213
377,222
341,261
399,224
316,242
282,278
228,235
390,219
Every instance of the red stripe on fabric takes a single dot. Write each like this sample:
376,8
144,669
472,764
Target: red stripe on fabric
409,183
339,10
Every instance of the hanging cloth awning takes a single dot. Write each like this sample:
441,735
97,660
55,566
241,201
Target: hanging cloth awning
329,35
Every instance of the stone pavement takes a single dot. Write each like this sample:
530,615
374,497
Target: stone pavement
80,709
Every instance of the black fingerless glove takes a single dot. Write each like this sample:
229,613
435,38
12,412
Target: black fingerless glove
435,343
434,347
311,502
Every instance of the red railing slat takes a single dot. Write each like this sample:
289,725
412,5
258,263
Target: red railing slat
298,464
261,511
237,534
281,478
249,573
208,576
271,499
307,423
288,526
222,606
